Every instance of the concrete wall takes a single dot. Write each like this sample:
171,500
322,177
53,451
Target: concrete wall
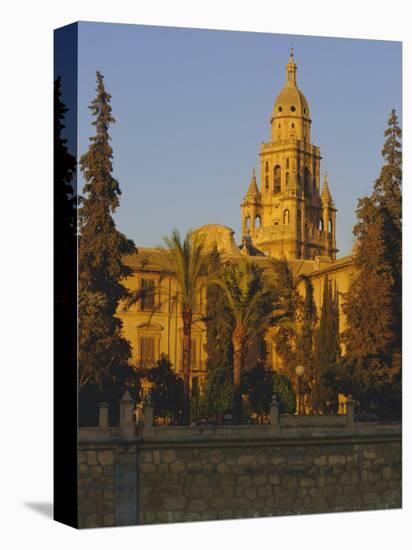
162,475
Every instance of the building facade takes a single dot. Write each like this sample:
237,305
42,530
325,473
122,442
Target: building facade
287,215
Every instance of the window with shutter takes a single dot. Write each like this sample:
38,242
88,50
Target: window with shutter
148,294
147,351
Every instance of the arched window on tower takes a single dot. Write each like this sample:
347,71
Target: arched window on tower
320,224
286,217
306,181
299,233
287,179
266,183
330,226
247,223
276,179
258,222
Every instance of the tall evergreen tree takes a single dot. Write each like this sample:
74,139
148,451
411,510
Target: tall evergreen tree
286,331
294,335
326,355
305,338
219,322
218,392
103,351
373,304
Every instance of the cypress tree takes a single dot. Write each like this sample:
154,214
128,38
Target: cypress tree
219,322
326,346
103,351
286,332
218,392
305,334
373,304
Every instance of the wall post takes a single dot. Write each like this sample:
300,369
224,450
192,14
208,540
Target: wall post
103,416
127,428
274,414
148,417
350,411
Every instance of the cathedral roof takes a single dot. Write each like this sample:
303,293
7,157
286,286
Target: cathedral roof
248,249
291,101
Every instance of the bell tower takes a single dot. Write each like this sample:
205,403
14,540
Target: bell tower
289,217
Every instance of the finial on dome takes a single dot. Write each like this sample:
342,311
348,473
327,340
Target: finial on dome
291,68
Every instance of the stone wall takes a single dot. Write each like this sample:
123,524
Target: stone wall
205,474
192,484
96,486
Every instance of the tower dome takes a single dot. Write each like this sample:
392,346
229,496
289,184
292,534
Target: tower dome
291,102
291,114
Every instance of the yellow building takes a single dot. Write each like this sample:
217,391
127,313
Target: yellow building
287,215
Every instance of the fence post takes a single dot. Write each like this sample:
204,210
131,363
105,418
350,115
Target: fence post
103,416
350,411
148,416
274,414
126,415
139,416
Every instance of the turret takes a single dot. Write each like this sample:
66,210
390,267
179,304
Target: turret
328,218
251,207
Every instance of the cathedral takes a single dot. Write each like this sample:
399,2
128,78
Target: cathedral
287,212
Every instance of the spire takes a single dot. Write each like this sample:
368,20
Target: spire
253,188
291,69
326,196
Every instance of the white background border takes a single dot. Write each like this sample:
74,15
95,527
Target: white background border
26,269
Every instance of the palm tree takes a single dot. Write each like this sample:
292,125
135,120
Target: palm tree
189,262
254,303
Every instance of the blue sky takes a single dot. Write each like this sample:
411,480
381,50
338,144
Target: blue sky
193,106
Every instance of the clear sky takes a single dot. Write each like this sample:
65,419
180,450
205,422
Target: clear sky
193,106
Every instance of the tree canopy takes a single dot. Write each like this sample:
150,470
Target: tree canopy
103,350
371,370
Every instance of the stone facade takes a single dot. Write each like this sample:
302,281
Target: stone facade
195,474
